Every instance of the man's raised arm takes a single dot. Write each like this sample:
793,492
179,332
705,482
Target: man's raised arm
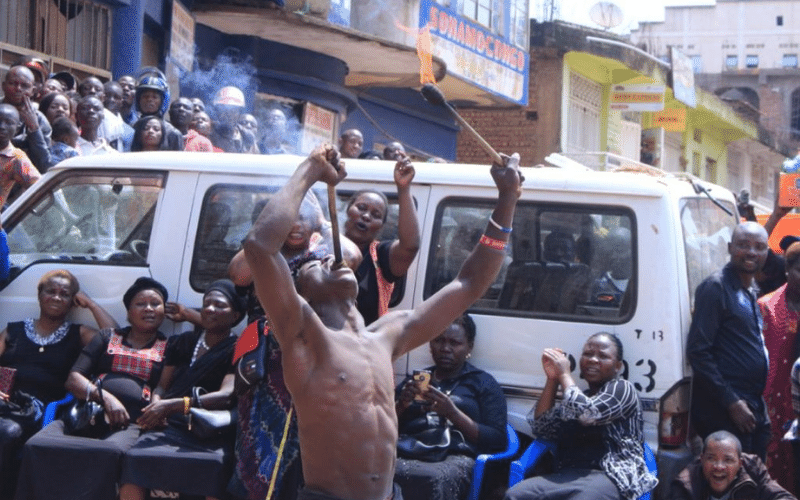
273,280
477,273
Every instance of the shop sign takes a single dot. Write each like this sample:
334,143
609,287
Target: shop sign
475,54
637,97
319,126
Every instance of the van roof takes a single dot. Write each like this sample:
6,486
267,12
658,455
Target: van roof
547,178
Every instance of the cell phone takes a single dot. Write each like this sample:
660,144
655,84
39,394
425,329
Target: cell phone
423,380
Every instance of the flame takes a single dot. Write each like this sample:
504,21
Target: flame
425,57
424,52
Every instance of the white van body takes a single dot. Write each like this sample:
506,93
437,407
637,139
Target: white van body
164,206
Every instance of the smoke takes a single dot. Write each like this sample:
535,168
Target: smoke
230,68
272,137
236,69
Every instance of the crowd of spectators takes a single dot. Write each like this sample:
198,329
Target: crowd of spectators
136,114
149,382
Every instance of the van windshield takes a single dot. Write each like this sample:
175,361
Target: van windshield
567,261
706,232
93,218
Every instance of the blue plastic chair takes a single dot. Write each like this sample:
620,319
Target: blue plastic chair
480,462
539,447
52,408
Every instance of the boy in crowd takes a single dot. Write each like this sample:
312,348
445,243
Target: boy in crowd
15,166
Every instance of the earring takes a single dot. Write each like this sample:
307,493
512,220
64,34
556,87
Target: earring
469,355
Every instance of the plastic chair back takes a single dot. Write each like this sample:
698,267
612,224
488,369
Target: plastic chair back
480,462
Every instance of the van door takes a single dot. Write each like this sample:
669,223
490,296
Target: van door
571,270
222,213
96,224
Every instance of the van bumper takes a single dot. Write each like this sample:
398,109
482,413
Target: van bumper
670,463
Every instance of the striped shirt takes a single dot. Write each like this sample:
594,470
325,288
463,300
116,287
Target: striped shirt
617,410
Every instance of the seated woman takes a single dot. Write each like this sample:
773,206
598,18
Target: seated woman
41,351
173,459
129,362
469,399
598,433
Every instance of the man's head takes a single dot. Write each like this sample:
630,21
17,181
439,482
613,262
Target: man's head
89,113
128,85
180,113
92,86
228,105
748,248
202,123
351,143
113,96
559,247
393,151
198,105
9,123
17,85
151,95
721,460
41,72
66,79
318,283
52,85
248,123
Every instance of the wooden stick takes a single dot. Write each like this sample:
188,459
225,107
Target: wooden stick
337,244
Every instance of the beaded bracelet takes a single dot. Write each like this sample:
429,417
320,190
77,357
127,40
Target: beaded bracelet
186,404
498,226
492,243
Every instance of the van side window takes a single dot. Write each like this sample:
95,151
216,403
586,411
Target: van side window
227,213
573,262
88,217
706,232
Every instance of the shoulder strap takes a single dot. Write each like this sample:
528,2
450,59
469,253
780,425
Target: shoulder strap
385,288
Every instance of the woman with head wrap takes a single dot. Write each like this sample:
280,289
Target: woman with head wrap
129,363
197,373
781,312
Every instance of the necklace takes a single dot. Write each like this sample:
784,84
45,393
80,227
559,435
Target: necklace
201,344
42,341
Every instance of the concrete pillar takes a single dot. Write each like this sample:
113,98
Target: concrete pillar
126,44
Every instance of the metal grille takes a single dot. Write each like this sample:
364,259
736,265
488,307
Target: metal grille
583,126
76,30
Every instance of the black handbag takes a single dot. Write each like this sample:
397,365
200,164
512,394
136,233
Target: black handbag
209,424
24,409
87,418
431,439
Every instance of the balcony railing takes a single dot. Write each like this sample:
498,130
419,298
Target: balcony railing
71,30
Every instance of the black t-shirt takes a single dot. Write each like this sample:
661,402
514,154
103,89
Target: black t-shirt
41,372
208,371
367,301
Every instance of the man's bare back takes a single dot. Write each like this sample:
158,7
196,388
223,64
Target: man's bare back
338,371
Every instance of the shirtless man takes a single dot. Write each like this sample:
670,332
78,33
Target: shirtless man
338,371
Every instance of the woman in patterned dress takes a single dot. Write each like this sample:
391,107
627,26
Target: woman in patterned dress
781,310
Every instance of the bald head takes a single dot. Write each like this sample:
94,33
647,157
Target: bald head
351,143
748,250
749,227
18,84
